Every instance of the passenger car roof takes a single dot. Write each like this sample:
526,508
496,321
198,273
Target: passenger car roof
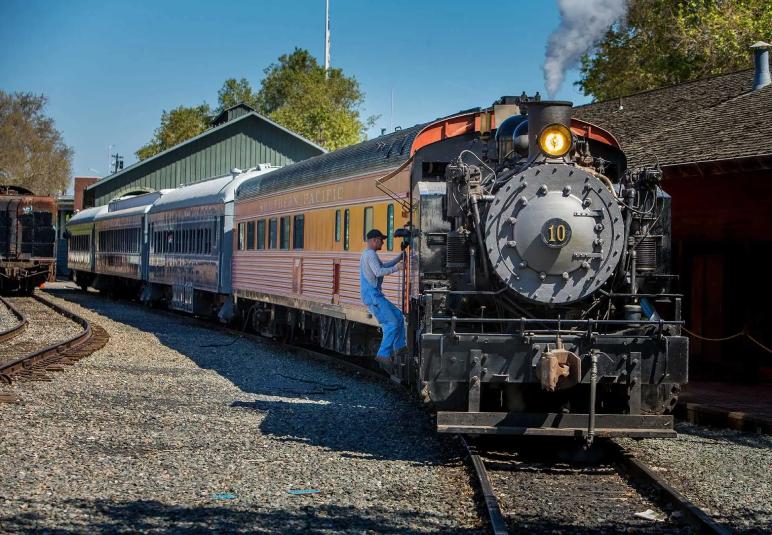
383,152
86,216
216,191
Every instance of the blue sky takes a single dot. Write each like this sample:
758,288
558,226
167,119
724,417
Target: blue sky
109,68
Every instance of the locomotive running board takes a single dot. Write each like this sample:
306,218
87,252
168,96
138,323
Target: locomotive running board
555,424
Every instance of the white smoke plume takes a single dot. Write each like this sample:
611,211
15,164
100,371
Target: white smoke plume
583,23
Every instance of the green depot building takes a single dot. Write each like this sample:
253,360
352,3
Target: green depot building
239,138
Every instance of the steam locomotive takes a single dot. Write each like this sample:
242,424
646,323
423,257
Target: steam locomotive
537,289
27,240
544,284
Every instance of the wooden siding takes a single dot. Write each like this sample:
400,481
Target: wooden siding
244,143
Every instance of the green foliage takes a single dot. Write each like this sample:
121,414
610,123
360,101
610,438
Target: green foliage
235,92
32,152
177,125
666,42
297,94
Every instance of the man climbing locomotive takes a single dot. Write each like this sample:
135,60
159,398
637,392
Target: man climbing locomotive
390,318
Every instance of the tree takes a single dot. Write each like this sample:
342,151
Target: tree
177,125
235,92
32,152
323,107
295,93
666,42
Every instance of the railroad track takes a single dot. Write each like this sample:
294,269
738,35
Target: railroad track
527,492
609,484
47,338
13,330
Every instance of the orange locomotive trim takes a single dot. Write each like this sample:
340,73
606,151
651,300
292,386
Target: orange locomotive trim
457,125
475,122
596,133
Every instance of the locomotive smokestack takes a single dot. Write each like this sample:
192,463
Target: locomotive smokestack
543,113
761,60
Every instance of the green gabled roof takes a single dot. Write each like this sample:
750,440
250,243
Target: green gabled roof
203,135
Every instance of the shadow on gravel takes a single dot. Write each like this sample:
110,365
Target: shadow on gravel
712,435
105,516
300,400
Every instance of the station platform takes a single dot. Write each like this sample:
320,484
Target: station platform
735,406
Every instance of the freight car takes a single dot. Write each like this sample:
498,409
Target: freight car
27,240
537,292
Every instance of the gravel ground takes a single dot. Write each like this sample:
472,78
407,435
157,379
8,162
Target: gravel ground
44,327
174,427
727,473
7,320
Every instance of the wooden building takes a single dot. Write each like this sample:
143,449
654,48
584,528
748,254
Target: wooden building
239,138
713,140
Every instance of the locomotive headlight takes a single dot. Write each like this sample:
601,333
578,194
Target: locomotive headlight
555,140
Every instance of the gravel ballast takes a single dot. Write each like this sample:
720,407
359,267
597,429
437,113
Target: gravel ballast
174,426
44,327
7,319
727,473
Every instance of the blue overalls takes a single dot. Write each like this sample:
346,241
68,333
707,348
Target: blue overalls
389,316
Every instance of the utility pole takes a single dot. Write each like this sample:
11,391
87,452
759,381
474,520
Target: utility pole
109,157
117,162
327,39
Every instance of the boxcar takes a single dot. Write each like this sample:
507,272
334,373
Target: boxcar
27,239
191,246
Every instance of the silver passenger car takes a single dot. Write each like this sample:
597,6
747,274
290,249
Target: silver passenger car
121,247
191,245
80,246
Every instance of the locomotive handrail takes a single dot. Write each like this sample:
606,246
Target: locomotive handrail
464,292
577,323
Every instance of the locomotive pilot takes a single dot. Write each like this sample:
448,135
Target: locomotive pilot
371,273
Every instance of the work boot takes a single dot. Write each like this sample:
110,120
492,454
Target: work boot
385,363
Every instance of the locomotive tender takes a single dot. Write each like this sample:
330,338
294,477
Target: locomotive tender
537,289
27,240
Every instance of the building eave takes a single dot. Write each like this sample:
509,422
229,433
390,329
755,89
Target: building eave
202,135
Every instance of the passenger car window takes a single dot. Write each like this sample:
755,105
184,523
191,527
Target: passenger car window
284,232
261,234
297,231
368,222
272,233
250,235
346,225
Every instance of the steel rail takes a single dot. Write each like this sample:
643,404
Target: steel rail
24,362
17,329
698,518
495,517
